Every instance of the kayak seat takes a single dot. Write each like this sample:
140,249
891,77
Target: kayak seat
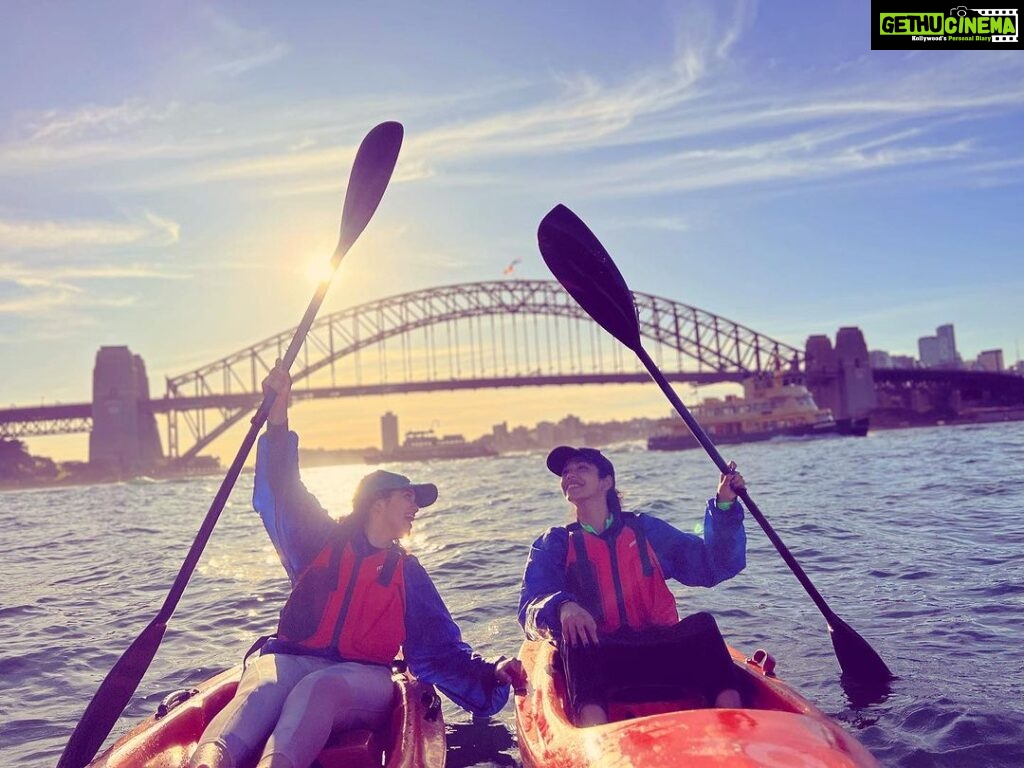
620,710
363,748
359,748
630,703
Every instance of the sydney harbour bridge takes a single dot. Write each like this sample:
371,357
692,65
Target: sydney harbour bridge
507,333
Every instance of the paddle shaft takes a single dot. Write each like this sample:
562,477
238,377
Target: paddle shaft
712,451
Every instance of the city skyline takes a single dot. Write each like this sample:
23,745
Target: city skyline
171,181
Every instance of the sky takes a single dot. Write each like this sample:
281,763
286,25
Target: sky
172,174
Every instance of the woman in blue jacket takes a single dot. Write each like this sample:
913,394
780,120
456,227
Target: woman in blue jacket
357,598
597,588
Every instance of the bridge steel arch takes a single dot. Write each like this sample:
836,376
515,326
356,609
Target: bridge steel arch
719,349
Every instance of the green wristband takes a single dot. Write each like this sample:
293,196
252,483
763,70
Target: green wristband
724,505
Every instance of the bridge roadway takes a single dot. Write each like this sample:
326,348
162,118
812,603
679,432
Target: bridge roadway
76,417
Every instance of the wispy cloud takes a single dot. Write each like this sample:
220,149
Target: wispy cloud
59,300
149,229
233,49
774,162
34,302
93,119
33,297
666,223
244,64
54,275
55,314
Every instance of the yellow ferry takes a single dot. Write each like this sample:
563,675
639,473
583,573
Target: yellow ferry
773,405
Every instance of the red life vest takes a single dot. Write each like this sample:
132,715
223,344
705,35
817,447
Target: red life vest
348,605
617,577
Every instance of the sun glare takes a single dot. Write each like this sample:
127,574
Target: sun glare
318,269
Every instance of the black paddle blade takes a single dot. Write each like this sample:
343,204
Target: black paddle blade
371,172
111,698
581,264
858,660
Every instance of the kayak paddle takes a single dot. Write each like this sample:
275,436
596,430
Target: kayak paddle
371,171
585,269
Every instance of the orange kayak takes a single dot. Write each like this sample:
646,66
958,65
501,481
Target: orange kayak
776,728
413,739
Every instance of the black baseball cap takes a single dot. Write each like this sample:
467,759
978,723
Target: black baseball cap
563,454
381,480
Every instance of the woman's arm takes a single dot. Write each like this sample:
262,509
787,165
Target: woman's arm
437,654
701,561
298,526
544,589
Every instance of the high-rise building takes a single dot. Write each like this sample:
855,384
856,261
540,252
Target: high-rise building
928,351
947,345
389,432
991,360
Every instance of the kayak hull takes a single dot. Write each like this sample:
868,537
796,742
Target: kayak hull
777,728
413,738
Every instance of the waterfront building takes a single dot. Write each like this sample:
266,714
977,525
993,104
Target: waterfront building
880,359
928,351
939,351
389,432
991,360
948,356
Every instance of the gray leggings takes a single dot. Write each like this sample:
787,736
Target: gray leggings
298,701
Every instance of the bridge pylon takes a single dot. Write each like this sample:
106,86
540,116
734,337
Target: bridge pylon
124,439
840,378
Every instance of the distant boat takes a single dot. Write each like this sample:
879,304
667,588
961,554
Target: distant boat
425,444
775,405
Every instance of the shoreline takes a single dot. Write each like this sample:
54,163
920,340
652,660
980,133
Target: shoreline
879,423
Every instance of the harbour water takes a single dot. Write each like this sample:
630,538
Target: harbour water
915,538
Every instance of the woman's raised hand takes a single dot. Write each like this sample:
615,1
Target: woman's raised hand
279,382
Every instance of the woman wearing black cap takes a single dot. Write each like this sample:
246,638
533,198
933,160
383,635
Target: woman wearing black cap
357,598
597,588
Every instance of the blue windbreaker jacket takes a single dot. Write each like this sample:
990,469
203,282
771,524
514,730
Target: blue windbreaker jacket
685,557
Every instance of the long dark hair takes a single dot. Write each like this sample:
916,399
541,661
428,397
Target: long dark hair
614,501
612,497
360,514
